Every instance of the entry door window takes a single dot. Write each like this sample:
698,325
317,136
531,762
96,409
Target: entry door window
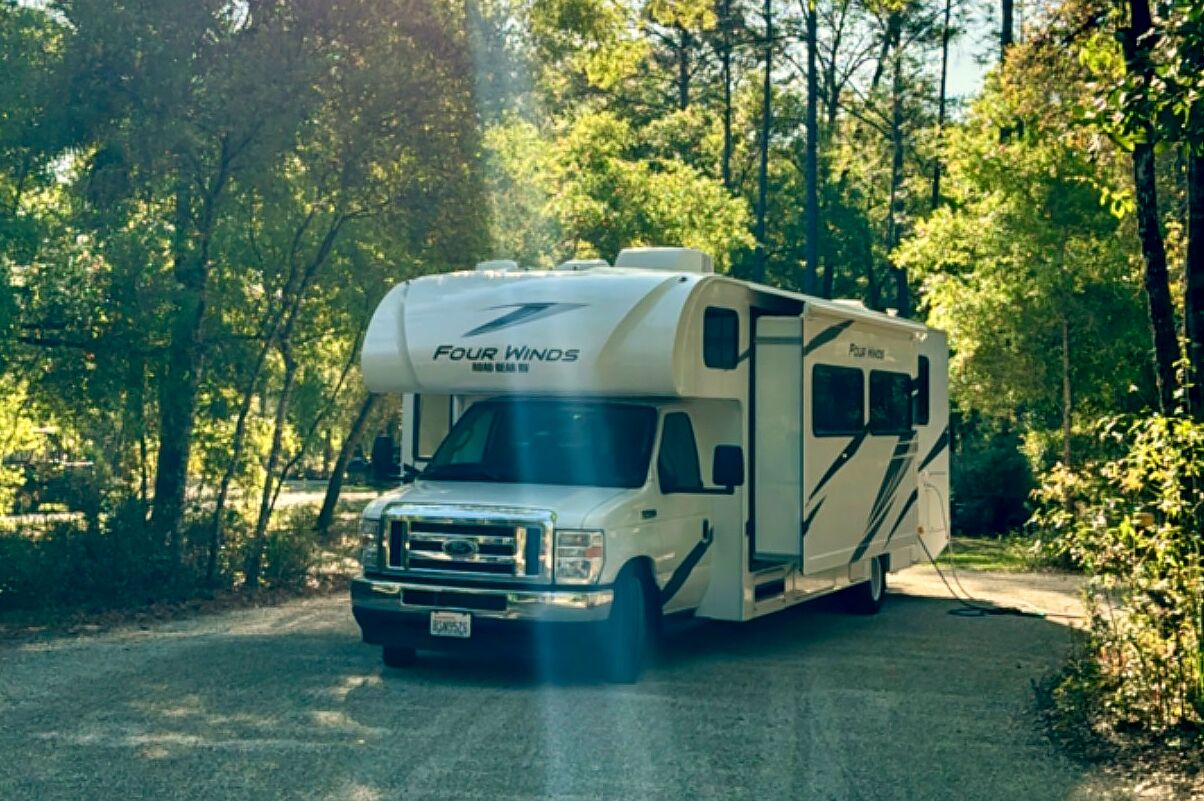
677,463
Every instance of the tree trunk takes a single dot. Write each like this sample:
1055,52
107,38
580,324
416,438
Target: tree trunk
181,372
1006,30
895,209
318,420
940,112
683,70
218,527
1157,282
1194,293
259,538
811,278
1135,45
894,29
1067,410
326,515
726,59
766,123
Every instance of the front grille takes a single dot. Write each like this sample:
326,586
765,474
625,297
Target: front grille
456,600
469,542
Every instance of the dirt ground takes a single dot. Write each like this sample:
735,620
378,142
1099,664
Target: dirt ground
287,703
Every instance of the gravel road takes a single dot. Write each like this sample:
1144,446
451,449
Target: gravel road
285,703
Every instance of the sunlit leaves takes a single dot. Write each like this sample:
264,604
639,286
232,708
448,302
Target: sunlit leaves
591,193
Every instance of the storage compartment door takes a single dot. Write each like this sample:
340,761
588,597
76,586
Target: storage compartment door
777,437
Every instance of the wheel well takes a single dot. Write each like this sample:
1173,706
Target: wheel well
642,567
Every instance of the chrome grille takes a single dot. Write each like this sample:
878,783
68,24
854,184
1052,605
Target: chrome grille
482,542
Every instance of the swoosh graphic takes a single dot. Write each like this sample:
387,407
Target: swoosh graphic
523,313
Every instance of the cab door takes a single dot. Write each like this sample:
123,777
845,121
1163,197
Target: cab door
683,515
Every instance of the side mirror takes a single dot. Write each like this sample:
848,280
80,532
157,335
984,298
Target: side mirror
409,473
727,469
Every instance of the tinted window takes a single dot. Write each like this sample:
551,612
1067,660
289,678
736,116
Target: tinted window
922,390
890,402
579,443
677,463
433,415
721,338
837,401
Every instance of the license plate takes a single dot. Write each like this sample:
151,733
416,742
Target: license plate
451,624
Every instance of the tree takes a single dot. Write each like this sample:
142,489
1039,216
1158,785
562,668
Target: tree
1025,270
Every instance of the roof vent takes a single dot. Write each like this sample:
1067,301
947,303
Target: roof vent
577,265
496,266
670,260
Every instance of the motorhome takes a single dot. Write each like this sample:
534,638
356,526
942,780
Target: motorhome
556,426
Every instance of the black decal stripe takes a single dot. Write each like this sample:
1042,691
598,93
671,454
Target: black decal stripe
891,480
899,460
825,336
807,520
683,571
941,443
842,459
911,501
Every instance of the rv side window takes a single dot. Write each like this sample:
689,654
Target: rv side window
432,418
677,463
721,338
922,396
890,402
837,401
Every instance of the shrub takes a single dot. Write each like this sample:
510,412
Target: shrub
991,480
1133,522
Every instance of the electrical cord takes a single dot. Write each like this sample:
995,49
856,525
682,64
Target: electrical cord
969,606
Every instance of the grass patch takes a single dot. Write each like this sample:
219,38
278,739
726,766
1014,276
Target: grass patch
1006,554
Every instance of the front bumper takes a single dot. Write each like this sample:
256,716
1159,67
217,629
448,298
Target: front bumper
388,614
584,605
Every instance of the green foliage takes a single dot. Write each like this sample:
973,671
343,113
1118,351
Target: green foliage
590,193
71,566
1164,105
1133,523
291,550
990,479
1026,244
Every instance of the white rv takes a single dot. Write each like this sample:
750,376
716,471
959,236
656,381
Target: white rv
596,447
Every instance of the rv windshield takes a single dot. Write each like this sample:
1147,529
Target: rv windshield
580,443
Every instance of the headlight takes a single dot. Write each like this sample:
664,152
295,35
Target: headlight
579,556
368,546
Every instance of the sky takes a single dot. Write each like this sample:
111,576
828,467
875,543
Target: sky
965,74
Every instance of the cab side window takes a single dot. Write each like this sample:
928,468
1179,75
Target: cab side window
432,420
677,463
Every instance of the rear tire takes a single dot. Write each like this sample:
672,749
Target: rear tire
626,633
866,598
399,657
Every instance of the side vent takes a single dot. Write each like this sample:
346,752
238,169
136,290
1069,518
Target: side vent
670,260
577,265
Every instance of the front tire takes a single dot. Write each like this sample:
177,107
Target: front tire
399,657
866,598
626,632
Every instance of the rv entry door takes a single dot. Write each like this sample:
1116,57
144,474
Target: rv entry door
778,439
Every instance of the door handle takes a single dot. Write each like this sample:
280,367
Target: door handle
648,514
